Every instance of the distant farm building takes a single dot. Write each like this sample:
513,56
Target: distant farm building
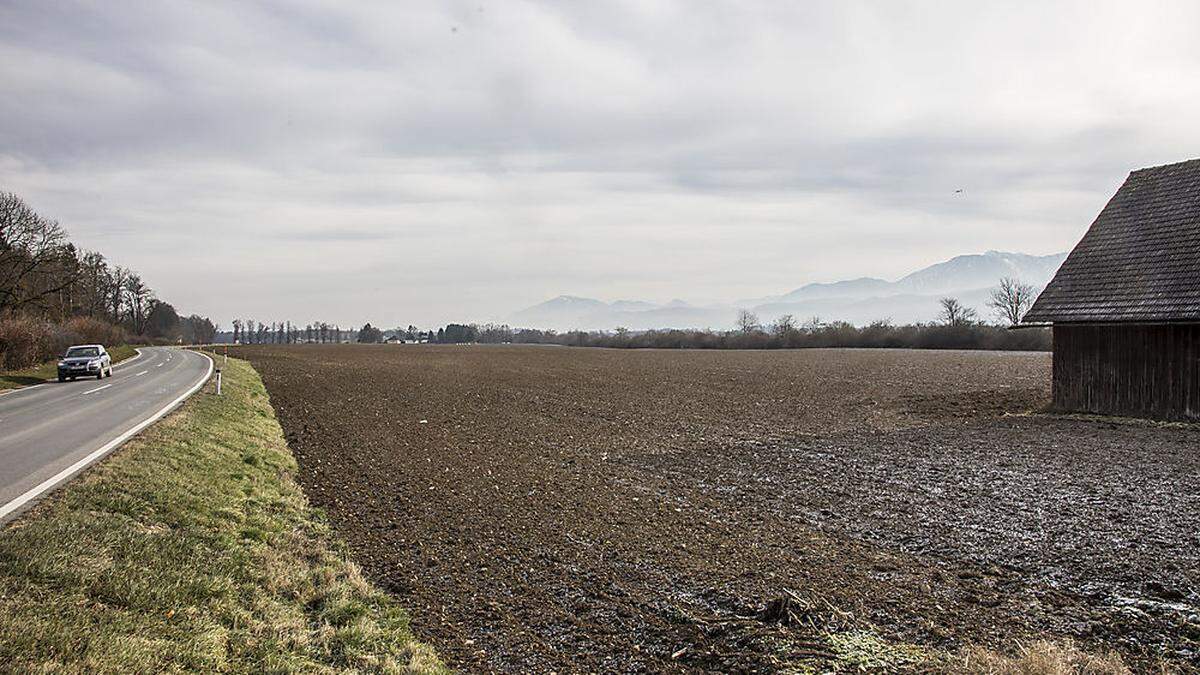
1125,305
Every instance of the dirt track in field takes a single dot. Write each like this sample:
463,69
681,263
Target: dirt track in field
544,508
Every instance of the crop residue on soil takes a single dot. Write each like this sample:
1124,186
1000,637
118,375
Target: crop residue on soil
554,508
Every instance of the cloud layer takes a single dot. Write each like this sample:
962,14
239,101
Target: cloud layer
424,162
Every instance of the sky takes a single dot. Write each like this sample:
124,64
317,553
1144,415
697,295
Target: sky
424,162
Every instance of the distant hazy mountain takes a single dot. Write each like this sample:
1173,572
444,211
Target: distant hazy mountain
913,298
632,305
978,271
568,312
563,311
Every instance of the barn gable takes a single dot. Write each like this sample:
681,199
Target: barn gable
1139,261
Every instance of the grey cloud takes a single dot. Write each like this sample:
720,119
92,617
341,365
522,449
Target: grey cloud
484,155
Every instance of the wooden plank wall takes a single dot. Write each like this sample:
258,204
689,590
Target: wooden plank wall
1138,371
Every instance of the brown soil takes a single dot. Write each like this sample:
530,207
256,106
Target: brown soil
544,508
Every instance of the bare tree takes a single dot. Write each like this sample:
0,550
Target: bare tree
784,326
137,295
115,290
1011,299
747,321
93,283
954,313
30,249
196,329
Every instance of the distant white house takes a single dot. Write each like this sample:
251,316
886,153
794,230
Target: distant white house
394,340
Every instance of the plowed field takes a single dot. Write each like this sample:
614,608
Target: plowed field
547,508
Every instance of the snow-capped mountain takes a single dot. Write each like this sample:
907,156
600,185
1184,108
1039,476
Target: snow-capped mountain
910,299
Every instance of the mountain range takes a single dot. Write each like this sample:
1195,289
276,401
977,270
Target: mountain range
910,299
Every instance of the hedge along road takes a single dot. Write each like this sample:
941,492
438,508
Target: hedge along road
51,432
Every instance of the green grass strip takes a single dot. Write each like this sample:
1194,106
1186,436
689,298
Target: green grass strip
192,549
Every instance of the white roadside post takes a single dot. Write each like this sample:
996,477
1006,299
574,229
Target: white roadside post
218,381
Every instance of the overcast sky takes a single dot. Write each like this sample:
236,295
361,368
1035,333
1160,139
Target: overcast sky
409,162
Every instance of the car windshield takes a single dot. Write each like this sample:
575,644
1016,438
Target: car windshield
74,352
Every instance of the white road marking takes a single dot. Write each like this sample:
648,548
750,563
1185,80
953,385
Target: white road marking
104,450
21,389
160,365
92,391
141,373
131,359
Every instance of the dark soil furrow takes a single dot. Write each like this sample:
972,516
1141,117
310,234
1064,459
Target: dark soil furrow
545,508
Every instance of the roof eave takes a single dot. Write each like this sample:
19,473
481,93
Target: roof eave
1109,322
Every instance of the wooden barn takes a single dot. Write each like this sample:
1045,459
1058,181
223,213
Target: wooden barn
1125,305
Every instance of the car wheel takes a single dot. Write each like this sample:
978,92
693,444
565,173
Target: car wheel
72,378
100,375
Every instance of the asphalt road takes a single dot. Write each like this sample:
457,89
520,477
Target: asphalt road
51,432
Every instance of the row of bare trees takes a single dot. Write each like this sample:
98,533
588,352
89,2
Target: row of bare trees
250,331
1009,301
44,275
787,333
957,326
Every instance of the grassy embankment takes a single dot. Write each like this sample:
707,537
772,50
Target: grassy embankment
192,548
14,379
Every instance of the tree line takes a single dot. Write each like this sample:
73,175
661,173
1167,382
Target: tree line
252,332
53,292
785,334
956,327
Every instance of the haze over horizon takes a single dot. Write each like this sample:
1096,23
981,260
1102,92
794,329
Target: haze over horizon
432,162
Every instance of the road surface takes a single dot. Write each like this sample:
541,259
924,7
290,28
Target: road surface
50,432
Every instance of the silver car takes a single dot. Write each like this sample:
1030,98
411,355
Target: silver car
85,361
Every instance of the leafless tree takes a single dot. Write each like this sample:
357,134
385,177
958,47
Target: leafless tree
1011,299
137,297
747,321
93,283
115,290
31,248
954,313
784,326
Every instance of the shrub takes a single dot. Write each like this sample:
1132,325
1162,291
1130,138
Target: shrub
27,341
24,341
96,331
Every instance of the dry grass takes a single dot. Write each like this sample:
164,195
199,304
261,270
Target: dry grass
1040,658
192,549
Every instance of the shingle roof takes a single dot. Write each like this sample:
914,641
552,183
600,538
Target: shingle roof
1140,260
